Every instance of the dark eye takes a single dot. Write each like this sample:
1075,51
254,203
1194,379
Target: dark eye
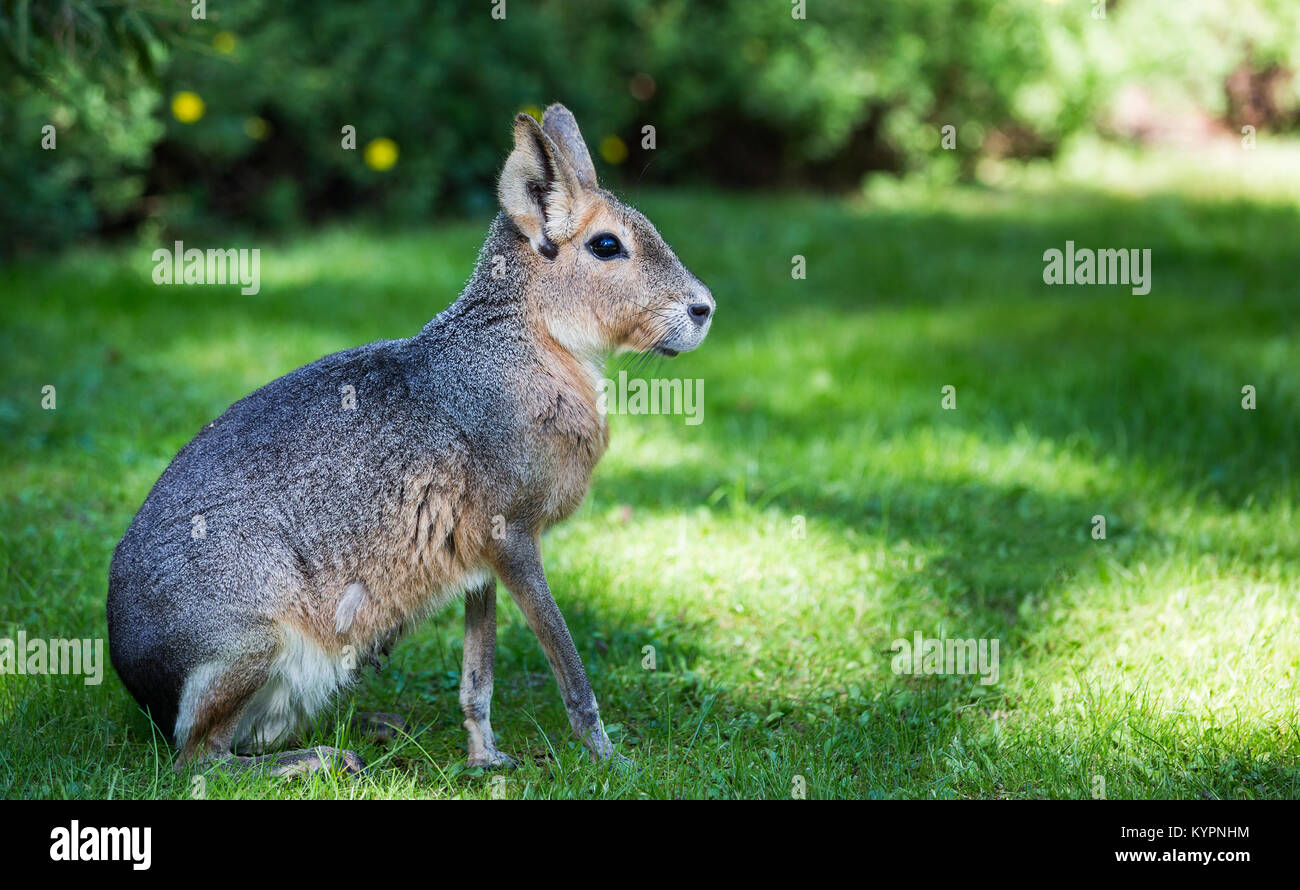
605,246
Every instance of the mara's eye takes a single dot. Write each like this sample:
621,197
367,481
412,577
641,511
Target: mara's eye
605,246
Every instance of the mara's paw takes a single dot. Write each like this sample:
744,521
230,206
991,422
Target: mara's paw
623,766
376,726
491,759
292,764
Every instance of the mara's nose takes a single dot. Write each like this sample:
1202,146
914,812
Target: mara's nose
700,312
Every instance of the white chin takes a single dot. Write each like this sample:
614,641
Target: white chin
677,344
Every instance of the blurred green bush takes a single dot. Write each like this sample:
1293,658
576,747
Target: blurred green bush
168,122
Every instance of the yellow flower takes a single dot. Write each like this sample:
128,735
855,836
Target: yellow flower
187,107
613,150
223,42
381,153
256,128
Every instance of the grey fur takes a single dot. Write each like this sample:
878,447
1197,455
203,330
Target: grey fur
343,524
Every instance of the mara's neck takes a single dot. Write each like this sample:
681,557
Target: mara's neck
494,316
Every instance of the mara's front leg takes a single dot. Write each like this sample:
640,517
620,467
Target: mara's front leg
519,565
477,674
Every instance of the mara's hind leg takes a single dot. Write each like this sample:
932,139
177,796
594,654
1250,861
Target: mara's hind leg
218,696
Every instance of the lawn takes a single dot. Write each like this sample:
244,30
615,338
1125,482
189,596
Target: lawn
827,505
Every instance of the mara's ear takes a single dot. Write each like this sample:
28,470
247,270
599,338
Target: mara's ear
559,123
538,189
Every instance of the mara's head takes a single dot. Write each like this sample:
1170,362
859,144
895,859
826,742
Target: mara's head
601,277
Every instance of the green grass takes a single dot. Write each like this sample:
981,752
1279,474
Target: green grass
1163,658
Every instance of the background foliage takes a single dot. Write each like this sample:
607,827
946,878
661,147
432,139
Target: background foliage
739,92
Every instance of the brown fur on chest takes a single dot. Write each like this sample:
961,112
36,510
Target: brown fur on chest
569,435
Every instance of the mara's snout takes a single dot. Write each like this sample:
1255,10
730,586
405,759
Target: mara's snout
688,322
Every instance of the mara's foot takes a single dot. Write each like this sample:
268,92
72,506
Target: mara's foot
491,758
624,766
375,726
302,762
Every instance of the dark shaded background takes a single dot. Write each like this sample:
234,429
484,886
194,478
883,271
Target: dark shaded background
169,123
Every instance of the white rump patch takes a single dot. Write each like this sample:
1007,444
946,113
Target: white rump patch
303,678
197,683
